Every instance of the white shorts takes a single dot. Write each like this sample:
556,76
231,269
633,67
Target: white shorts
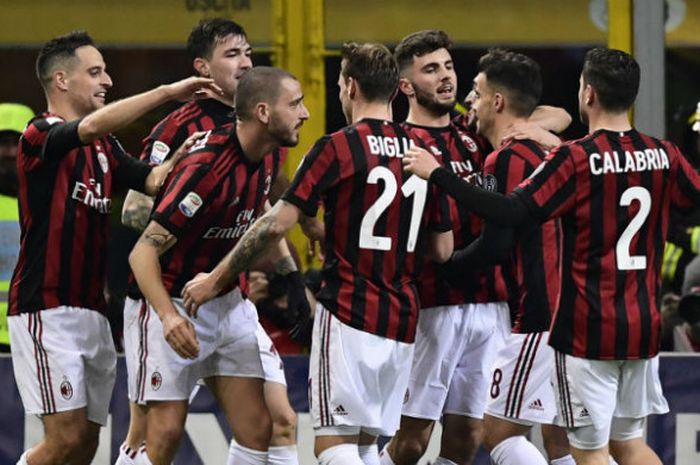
521,388
357,380
272,364
273,367
64,359
591,393
455,348
227,347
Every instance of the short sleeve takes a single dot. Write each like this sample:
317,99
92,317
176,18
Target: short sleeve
48,138
129,172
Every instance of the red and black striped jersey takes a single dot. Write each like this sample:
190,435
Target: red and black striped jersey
65,197
208,202
532,272
613,192
374,216
197,115
463,153
174,129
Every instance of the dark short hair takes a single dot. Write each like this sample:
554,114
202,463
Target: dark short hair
373,67
208,33
258,84
614,75
57,51
515,74
418,44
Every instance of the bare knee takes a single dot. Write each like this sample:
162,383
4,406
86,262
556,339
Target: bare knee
257,433
284,424
555,441
411,441
461,438
69,440
497,430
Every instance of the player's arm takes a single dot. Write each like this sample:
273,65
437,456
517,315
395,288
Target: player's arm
504,210
441,246
297,303
492,247
118,114
550,118
136,210
129,172
264,233
145,263
311,226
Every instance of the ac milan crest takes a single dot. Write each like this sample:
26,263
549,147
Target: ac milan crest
156,380
66,389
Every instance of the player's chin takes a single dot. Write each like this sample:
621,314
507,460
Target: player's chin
292,140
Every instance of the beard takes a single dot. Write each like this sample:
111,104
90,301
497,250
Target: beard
436,107
8,177
282,134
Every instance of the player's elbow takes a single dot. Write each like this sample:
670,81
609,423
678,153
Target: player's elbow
88,130
442,246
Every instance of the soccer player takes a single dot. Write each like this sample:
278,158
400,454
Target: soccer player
506,91
614,190
465,325
219,49
366,318
209,201
68,164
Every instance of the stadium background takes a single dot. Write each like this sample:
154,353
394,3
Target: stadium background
143,45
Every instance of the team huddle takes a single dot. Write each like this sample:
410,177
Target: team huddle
478,271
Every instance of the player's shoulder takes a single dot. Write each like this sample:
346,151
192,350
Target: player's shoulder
214,144
183,114
38,127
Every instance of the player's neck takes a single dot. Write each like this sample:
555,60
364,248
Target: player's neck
421,116
500,128
63,109
618,122
254,141
372,110
225,99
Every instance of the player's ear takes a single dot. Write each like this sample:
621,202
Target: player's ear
406,87
262,112
352,88
499,102
589,94
201,66
60,78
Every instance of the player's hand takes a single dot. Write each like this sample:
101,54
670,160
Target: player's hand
199,290
179,333
186,146
420,162
257,286
193,88
160,172
298,305
315,231
531,131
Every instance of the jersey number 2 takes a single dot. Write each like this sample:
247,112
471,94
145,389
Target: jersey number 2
625,261
413,186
